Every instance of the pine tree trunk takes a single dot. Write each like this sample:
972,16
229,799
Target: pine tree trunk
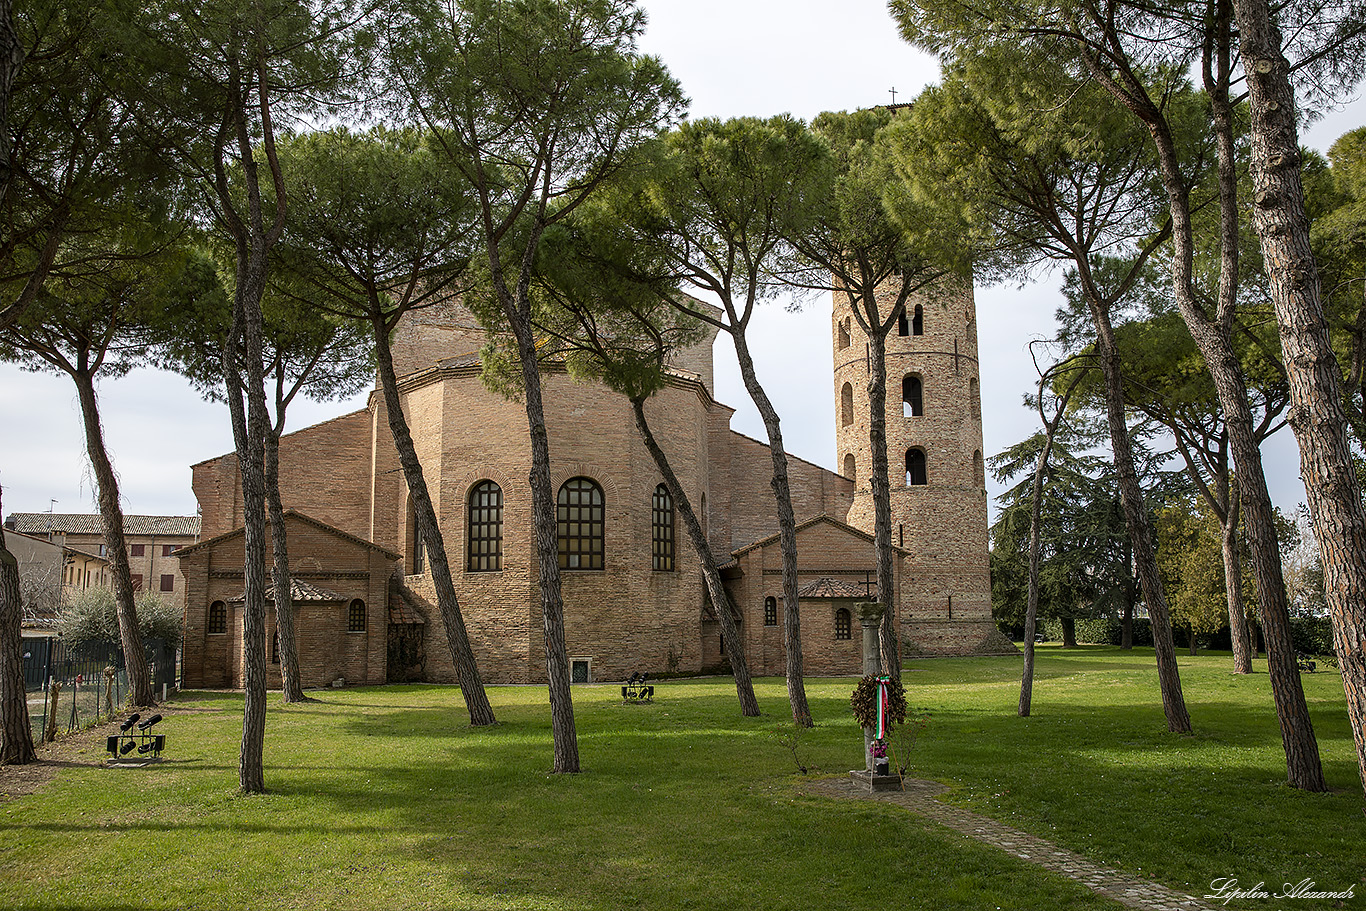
730,634
1238,628
424,511
889,638
1316,412
249,428
292,686
1140,534
562,725
787,533
111,519
16,733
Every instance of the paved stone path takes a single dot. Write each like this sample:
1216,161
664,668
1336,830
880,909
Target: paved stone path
919,798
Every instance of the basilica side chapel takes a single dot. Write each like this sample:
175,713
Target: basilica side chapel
633,593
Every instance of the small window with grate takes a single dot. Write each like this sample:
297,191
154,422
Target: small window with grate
844,628
355,617
770,611
218,617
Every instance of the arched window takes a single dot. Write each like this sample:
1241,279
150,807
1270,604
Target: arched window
915,468
275,648
847,405
844,629
485,539
662,524
974,399
912,397
579,524
979,472
417,550
918,321
218,617
844,336
849,467
355,617
903,323
770,611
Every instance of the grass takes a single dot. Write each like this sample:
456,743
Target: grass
385,798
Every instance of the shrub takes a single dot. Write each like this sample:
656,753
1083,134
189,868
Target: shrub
92,616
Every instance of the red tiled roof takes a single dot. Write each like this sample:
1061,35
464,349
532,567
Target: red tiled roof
831,588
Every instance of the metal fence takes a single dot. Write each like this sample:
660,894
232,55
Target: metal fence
86,693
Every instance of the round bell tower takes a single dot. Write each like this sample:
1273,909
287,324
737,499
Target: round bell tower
935,462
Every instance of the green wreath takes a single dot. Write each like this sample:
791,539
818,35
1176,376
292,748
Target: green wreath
864,702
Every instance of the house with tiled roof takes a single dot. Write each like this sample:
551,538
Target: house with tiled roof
152,542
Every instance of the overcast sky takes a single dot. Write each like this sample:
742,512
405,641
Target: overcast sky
733,57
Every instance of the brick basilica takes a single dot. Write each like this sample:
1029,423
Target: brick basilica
633,593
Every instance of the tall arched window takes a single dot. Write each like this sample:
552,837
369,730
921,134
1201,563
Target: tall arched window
915,468
918,321
218,617
770,611
846,405
662,525
844,627
903,323
485,539
579,524
979,471
912,396
974,398
849,467
844,334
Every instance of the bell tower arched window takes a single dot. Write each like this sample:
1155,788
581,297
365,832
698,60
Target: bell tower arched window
918,321
912,397
916,475
846,405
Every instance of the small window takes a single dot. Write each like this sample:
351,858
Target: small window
416,549
580,670
275,648
912,397
918,321
137,582
846,405
137,550
168,582
104,551
168,549
974,399
979,473
770,611
485,528
843,626
844,335
579,524
662,523
218,617
355,617
916,475
903,324
849,467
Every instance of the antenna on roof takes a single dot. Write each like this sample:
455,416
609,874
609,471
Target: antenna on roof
51,502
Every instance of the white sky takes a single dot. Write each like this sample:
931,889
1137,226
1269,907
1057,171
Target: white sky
733,57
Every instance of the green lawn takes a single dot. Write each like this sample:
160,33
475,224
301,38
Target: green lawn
385,798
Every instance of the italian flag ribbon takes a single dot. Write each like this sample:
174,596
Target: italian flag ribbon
882,706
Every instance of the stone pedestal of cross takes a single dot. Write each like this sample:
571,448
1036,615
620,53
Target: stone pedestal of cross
870,618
